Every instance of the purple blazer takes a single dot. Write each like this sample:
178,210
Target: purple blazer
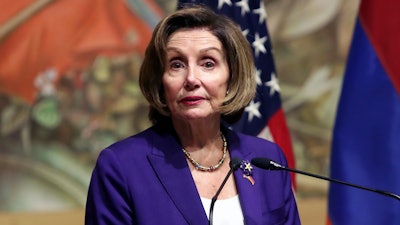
145,180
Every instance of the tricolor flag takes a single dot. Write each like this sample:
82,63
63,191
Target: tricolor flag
366,140
264,115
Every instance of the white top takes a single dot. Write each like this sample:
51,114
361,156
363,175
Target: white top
226,211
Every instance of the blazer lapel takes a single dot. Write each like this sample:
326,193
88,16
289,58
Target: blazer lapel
249,199
171,167
248,193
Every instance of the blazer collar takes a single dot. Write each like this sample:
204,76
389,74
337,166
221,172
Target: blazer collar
173,171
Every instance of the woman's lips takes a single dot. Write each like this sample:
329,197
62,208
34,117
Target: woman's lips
192,100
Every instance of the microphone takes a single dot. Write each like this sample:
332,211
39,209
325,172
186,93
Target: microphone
234,164
268,164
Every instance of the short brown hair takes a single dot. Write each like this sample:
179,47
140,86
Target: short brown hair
241,85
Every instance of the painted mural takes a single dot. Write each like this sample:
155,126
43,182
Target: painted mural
68,88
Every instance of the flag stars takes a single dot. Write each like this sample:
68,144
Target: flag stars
262,13
248,167
253,110
245,32
258,77
222,2
258,44
244,4
273,85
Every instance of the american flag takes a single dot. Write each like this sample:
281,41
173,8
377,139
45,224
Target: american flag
264,115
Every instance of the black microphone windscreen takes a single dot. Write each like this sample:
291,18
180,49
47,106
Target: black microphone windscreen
234,164
263,163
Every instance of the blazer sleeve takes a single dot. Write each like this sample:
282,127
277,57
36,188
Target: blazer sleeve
108,196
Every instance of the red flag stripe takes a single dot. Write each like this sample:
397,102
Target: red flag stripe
280,133
378,21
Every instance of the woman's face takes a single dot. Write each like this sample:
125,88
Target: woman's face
196,76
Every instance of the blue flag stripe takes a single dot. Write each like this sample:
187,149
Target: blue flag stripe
366,141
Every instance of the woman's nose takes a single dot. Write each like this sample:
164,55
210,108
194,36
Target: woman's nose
192,79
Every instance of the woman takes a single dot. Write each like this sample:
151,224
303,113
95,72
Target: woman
197,74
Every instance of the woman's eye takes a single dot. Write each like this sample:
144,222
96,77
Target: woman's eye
209,64
176,65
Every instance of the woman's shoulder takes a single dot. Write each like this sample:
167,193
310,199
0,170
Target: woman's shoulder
134,144
135,138
251,140
258,146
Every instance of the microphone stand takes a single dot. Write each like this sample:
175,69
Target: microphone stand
386,193
271,165
214,199
234,164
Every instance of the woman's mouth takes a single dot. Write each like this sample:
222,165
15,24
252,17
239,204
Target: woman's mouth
192,100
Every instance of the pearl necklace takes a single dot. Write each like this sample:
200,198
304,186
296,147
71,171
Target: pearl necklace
209,168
